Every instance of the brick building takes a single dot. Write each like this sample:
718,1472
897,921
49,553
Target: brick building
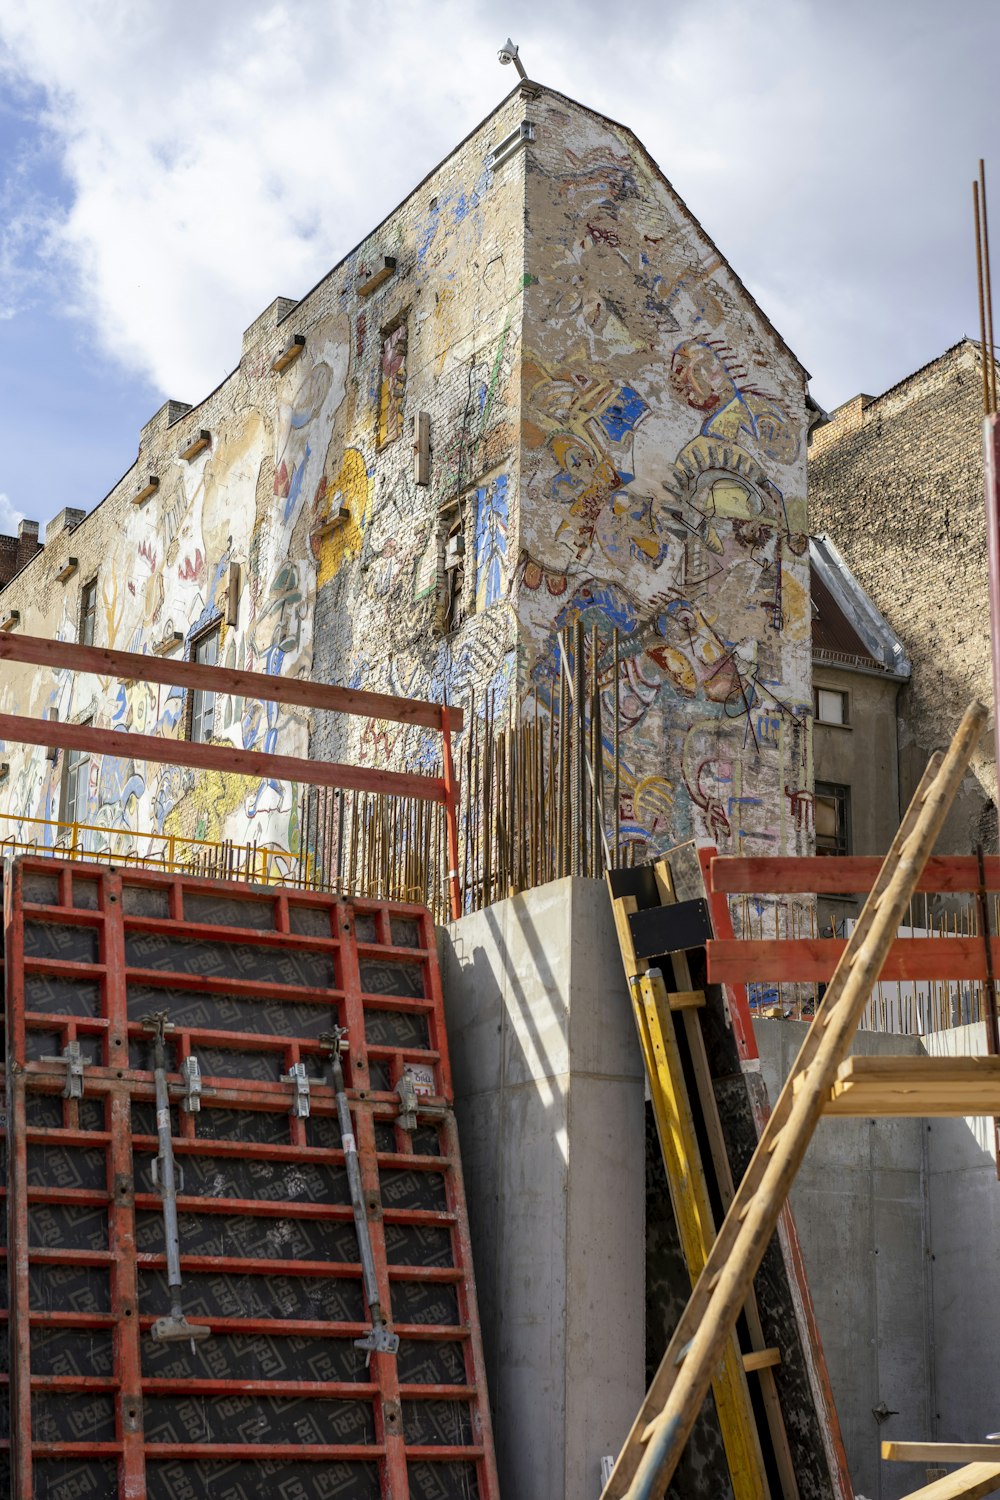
897,481
536,394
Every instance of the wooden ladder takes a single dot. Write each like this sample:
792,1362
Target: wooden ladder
651,1451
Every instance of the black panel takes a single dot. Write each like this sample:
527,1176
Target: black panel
670,929
267,1479
223,960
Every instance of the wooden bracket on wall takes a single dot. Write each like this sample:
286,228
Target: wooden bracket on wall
198,443
374,281
149,488
289,354
67,570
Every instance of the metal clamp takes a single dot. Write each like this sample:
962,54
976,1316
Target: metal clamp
298,1076
407,1091
191,1081
156,1172
380,1340
73,1058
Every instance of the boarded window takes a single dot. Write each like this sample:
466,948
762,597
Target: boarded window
392,385
88,612
833,818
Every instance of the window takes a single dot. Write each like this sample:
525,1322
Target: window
392,384
201,704
833,818
88,612
830,706
73,792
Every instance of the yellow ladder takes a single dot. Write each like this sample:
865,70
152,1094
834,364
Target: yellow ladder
654,1008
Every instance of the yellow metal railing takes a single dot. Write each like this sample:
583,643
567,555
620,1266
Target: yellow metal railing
173,853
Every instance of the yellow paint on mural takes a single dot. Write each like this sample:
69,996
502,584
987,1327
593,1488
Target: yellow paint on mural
352,490
202,812
796,607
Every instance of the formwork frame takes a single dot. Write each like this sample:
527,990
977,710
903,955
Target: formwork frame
86,909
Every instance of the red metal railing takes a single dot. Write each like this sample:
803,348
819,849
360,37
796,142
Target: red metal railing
132,666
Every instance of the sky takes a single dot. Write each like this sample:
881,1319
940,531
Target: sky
168,167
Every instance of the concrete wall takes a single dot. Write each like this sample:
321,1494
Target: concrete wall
549,1099
964,1213
897,481
860,1207
899,1220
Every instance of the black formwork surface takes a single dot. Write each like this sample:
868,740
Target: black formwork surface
278,1401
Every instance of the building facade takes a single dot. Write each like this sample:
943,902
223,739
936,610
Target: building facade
536,394
897,480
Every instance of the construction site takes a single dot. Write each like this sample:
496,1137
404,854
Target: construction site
501,899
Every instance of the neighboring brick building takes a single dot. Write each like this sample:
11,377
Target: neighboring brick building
608,430
897,481
17,551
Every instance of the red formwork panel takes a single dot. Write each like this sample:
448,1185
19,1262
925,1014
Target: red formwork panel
277,1401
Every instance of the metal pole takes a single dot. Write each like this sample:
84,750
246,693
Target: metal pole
175,1328
381,1339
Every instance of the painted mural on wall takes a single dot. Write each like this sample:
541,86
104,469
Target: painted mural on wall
664,496
616,438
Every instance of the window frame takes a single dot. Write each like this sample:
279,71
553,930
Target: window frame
88,613
840,794
844,695
201,702
71,794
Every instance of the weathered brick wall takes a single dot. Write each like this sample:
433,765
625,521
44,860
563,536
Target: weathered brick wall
897,483
663,493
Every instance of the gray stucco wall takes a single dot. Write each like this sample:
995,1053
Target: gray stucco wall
549,1100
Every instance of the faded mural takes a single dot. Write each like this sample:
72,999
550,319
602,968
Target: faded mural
616,436
663,493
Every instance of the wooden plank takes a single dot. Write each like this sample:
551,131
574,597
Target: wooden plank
686,999
811,960
836,875
941,1453
762,1359
915,1087
133,666
969,1483
253,763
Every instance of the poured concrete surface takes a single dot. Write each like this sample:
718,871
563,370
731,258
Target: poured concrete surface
549,1099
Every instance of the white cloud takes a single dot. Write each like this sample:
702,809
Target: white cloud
9,517
222,154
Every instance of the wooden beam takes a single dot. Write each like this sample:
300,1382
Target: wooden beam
686,999
253,763
762,1359
132,666
916,1088
970,1483
941,1453
812,960
835,875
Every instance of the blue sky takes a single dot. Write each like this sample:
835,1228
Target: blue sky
166,170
